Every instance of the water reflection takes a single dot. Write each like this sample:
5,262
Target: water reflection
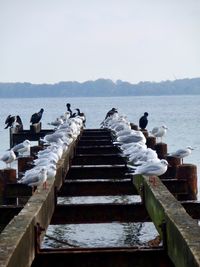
99,235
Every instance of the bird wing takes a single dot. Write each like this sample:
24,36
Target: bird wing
17,147
33,117
150,168
155,130
5,157
7,119
19,120
179,152
31,181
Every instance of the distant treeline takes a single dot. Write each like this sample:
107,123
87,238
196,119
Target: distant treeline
100,87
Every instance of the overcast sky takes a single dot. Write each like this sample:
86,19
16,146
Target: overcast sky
47,41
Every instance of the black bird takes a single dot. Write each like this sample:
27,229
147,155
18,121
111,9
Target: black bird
81,114
36,117
111,112
143,121
68,105
13,121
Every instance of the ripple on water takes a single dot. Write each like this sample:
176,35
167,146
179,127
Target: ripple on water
99,235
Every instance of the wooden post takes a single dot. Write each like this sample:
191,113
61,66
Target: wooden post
36,127
145,132
188,172
172,168
6,176
24,163
12,131
34,150
161,149
151,142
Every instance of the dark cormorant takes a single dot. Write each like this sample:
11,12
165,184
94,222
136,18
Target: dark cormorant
68,105
143,121
13,121
36,117
111,112
81,114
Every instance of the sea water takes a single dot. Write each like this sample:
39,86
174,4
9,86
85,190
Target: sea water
179,113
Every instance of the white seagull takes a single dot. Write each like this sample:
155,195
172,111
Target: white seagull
159,131
152,168
22,147
182,153
8,157
36,178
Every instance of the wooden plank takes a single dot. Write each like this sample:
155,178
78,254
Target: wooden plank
95,137
176,186
106,149
17,190
96,172
180,232
99,213
8,212
192,207
95,132
101,159
97,188
115,257
94,142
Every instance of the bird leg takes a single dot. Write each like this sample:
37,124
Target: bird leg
45,185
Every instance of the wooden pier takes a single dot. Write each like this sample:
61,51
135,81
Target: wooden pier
93,166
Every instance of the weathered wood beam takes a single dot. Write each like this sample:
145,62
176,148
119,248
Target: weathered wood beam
98,159
106,149
95,137
96,132
96,172
17,190
179,231
115,257
99,213
8,212
176,186
192,207
94,142
97,188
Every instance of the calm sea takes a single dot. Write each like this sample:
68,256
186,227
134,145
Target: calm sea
179,113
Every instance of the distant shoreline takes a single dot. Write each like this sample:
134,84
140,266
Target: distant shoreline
100,88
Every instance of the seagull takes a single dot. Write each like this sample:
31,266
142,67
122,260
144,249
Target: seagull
22,147
51,171
36,117
57,122
152,168
143,121
35,178
159,131
134,136
182,153
8,157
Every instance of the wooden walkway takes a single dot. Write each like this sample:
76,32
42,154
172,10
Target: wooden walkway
93,167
